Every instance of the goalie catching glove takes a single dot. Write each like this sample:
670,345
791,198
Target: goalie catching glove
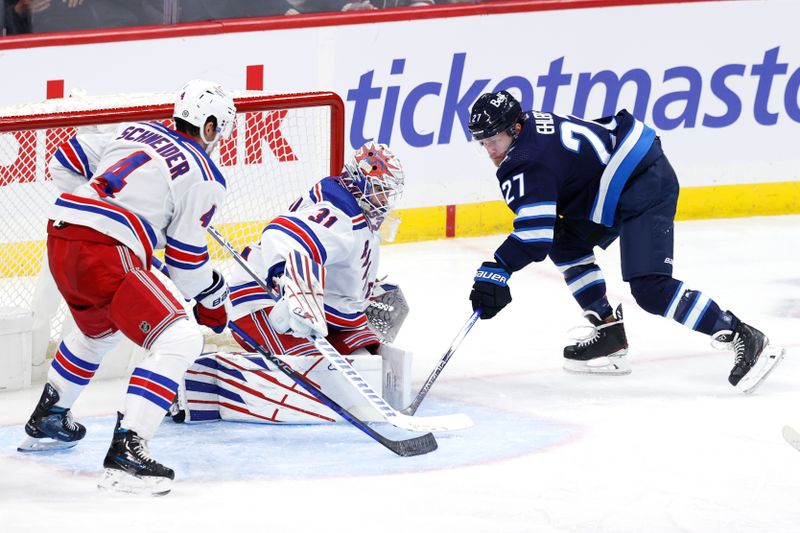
300,311
490,291
211,307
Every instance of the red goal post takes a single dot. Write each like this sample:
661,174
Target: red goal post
280,146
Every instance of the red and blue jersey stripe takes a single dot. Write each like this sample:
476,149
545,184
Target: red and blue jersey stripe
140,229
153,387
344,321
300,232
71,156
185,256
248,292
73,368
359,222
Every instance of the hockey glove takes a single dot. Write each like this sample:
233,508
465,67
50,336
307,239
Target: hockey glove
211,307
300,312
490,291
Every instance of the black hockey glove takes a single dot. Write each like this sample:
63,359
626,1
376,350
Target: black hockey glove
490,291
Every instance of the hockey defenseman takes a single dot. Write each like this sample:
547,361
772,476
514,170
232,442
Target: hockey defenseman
575,184
321,258
149,187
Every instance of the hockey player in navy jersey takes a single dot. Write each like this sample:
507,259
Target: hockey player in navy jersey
140,187
575,184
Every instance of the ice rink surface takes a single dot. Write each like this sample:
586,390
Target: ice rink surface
670,448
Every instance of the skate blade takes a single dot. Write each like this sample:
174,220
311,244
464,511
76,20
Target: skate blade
118,481
616,365
44,444
767,361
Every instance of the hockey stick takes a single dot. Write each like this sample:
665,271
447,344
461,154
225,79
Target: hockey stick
406,448
386,411
411,409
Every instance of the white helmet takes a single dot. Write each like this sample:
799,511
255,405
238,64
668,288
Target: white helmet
375,178
198,100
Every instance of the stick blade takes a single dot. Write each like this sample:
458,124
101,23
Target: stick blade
412,447
452,422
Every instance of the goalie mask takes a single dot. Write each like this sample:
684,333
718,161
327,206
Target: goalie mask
200,100
375,178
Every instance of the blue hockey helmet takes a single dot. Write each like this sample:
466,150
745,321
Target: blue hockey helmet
493,113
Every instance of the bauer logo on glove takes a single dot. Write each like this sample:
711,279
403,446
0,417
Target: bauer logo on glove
490,292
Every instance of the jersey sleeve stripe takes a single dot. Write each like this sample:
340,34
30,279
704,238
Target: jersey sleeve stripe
184,260
140,229
248,292
66,162
182,246
181,255
298,230
342,320
537,209
81,155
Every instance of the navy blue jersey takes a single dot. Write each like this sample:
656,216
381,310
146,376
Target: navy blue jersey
569,167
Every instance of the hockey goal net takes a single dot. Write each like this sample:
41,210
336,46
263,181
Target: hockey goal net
280,146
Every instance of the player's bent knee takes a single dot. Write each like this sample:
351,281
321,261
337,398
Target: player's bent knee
91,349
653,293
182,339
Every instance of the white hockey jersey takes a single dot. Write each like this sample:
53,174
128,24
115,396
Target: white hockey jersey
327,225
149,187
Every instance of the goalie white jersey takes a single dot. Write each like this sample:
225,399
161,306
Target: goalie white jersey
327,225
149,187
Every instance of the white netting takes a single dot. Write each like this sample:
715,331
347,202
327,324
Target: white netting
280,146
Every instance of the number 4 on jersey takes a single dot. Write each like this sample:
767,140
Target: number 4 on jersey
112,180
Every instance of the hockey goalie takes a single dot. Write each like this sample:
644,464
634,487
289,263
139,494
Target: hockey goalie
320,260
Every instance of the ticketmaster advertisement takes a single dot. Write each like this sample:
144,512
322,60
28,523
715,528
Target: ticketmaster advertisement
719,81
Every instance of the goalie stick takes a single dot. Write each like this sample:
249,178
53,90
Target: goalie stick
386,411
407,448
419,445
412,408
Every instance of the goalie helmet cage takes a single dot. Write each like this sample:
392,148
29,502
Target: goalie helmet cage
280,146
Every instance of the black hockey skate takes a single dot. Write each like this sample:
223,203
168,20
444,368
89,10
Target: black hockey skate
129,467
754,357
603,350
51,427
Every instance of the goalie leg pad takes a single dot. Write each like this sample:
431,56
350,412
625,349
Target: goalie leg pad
347,342
260,328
